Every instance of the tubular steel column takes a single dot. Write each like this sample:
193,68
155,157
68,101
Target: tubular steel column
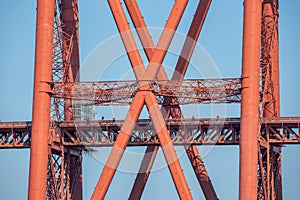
250,100
41,100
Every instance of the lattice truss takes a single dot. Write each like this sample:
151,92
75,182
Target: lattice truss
170,94
64,173
284,130
62,181
269,168
122,92
70,135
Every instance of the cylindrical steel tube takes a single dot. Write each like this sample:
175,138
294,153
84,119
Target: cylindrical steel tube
41,100
250,100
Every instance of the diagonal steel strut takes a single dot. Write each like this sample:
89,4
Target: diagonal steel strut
144,97
181,67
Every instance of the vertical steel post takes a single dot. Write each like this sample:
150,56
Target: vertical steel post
70,37
271,98
276,85
275,63
41,100
269,60
70,45
76,175
250,100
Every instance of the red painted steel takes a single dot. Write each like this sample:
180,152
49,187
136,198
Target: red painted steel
41,100
143,33
70,46
143,173
276,86
151,151
75,170
250,100
128,39
167,147
283,130
191,39
275,63
169,93
270,180
149,99
119,147
149,48
48,150
201,172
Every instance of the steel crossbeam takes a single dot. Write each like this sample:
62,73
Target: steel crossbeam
199,131
173,92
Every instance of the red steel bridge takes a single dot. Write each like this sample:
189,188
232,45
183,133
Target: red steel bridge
57,137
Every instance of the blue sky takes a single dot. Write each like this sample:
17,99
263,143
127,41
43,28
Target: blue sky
221,38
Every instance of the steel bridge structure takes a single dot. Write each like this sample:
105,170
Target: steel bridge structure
57,135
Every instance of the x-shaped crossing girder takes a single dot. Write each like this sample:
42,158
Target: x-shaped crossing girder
145,96
180,69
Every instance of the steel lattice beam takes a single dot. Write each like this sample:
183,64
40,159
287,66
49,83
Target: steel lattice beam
200,91
202,131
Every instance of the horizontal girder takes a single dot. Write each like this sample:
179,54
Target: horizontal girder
198,131
197,91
